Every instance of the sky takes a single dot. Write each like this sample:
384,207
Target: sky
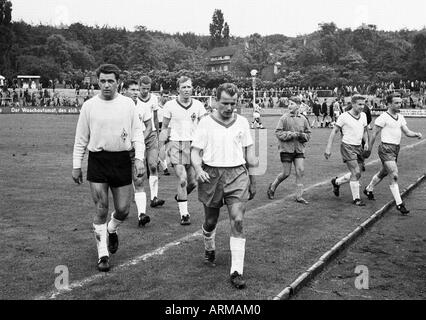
245,17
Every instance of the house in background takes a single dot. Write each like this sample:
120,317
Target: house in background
219,59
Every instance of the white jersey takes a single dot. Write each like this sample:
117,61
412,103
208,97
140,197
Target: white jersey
222,144
352,128
111,126
150,106
143,113
183,120
391,127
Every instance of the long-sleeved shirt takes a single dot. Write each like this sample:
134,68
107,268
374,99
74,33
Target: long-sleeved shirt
111,126
288,125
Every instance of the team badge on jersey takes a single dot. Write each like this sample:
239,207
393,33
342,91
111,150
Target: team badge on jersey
124,135
239,137
194,117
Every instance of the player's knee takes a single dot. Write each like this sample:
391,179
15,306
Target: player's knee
300,173
238,226
183,183
153,168
210,224
394,176
122,212
358,175
138,183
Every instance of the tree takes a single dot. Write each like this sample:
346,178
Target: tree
5,12
57,47
256,52
141,55
219,30
115,54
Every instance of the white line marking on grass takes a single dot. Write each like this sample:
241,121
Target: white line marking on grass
160,251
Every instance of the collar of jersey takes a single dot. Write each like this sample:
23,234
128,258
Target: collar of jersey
226,125
186,108
357,119
396,119
145,101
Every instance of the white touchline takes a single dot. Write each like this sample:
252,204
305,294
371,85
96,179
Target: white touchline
160,251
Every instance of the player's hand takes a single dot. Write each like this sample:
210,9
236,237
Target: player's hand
139,168
419,135
77,176
252,190
202,176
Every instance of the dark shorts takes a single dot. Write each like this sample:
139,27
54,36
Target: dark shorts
351,152
388,152
114,168
180,152
227,186
290,157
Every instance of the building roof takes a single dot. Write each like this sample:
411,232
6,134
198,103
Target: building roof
222,51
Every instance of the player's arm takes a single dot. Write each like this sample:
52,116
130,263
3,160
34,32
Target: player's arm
252,163
197,163
148,128
333,133
305,136
409,133
82,137
282,134
366,138
376,131
156,124
165,131
138,143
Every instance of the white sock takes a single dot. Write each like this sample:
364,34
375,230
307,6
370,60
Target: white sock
395,192
238,250
140,199
209,239
113,224
344,179
153,186
101,239
299,192
374,182
355,189
183,208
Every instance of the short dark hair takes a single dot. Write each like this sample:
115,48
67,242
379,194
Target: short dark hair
228,88
145,80
389,97
357,97
129,83
181,80
109,69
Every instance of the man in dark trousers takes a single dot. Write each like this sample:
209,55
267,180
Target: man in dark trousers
324,112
